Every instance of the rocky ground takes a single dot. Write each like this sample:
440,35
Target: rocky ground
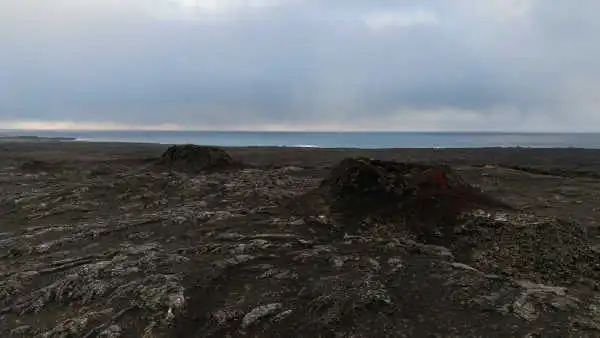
97,240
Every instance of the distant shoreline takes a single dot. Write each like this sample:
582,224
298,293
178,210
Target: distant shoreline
26,138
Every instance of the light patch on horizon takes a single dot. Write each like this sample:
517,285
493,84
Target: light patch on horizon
402,120
84,126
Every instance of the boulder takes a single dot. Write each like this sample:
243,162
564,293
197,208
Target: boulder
194,158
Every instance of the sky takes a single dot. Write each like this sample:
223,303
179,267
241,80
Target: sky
393,65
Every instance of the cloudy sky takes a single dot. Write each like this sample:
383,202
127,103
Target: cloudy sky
513,65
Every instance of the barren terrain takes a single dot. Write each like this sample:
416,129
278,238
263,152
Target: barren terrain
96,240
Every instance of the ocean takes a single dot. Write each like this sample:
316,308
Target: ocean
370,140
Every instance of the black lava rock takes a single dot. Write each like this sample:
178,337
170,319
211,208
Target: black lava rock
194,158
423,197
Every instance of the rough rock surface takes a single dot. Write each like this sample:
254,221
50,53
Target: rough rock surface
424,199
194,158
35,166
123,250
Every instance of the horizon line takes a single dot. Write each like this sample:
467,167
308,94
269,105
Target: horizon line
301,131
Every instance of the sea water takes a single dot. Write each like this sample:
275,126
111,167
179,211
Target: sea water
371,140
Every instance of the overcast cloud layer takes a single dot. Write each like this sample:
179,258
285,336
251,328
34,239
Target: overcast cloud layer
522,65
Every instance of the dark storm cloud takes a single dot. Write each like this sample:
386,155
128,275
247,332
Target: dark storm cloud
461,64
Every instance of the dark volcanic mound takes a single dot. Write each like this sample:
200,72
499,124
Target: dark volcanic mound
35,166
426,198
194,158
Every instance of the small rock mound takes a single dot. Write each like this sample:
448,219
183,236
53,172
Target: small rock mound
194,158
410,193
36,166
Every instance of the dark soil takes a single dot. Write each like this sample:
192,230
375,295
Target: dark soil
96,240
